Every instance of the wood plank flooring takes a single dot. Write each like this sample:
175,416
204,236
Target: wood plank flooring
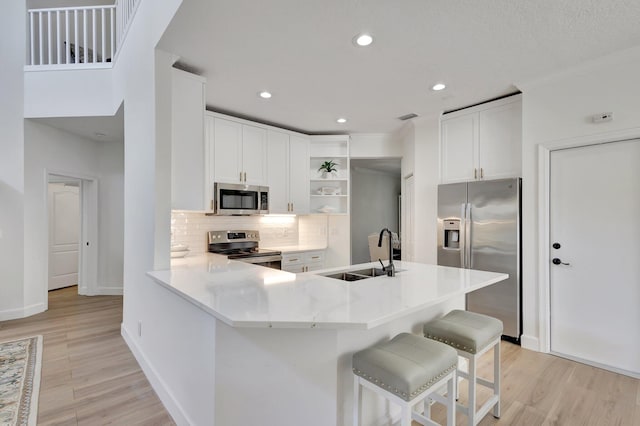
89,376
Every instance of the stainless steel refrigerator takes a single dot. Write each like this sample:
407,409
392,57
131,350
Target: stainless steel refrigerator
479,228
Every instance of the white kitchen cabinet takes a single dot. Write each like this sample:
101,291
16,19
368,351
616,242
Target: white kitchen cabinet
190,188
303,261
482,142
299,174
254,155
240,153
287,174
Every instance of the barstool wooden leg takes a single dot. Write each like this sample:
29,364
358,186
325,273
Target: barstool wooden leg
496,379
471,404
357,401
406,415
451,401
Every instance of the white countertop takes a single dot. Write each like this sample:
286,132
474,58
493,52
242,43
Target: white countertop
295,248
245,295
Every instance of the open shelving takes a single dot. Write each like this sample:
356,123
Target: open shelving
329,194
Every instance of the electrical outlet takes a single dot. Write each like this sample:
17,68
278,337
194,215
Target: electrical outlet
139,328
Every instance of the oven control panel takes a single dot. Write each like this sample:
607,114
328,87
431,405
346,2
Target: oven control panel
233,236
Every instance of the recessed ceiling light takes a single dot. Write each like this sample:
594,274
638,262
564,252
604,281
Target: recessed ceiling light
264,95
363,39
438,87
341,120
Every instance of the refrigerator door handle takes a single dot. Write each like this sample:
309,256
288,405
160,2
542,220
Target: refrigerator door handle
463,234
467,233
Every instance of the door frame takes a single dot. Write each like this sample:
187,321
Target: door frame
544,214
88,254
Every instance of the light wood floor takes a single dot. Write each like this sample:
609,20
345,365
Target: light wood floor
89,377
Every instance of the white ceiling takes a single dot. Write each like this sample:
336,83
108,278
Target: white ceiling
100,129
302,51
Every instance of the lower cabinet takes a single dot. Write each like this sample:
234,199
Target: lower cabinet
303,261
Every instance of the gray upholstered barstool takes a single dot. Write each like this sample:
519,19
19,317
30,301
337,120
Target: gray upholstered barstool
406,370
472,335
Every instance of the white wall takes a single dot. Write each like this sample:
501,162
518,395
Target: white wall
12,46
374,145
421,157
556,113
77,93
374,206
51,149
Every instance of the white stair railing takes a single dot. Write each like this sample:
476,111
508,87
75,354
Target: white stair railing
125,11
78,37
72,35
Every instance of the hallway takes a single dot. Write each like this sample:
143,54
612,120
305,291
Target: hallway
89,376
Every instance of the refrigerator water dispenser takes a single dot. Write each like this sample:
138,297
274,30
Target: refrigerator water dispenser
451,234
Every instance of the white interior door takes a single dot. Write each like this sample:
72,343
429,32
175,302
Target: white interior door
595,234
64,233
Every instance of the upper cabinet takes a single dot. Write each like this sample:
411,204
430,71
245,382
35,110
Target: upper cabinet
240,152
189,156
329,191
288,174
482,142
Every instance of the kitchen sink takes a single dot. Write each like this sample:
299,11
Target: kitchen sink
359,274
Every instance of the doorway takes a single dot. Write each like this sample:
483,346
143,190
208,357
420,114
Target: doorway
375,204
595,246
64,232
72,213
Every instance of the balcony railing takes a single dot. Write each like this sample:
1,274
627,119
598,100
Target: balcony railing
78,37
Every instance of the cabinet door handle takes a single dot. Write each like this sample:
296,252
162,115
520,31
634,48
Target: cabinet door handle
293,259
291,206
245,176
481,173
240,176
315,257
211,204
475,173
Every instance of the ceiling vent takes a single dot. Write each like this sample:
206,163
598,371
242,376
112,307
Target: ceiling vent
407,117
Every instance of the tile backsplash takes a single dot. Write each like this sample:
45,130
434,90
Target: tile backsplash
191,229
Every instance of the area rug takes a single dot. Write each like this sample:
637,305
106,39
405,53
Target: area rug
20,367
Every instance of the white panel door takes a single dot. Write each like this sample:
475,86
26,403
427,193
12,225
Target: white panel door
278,171
299,174
227,151
458,149
64,232
254,155
595,253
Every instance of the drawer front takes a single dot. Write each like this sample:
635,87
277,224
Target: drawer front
296,269
292,259
314,257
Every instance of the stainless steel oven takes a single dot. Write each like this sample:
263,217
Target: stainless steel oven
243,246
235,199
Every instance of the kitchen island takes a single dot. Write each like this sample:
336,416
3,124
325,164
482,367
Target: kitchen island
274,348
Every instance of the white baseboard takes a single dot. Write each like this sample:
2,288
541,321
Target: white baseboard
26,311
164,393
530,342
107,291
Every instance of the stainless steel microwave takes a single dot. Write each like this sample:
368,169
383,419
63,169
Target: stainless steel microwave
236,199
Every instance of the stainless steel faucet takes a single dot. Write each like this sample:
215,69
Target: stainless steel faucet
390,269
